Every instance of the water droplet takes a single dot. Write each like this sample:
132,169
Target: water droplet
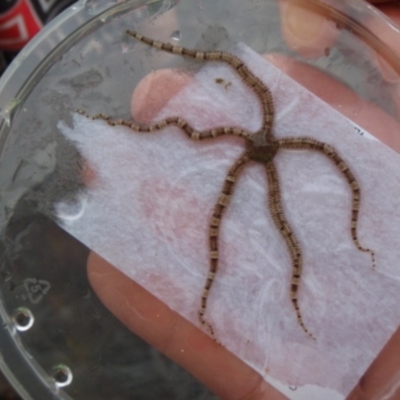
5,116
176,35
23,319
126,47
62,375
71,210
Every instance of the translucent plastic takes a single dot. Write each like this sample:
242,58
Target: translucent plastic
58,339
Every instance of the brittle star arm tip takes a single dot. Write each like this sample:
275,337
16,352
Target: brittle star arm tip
247,76
307,143
288,235
217,215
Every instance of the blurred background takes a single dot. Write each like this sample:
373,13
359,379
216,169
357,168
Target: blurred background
21,20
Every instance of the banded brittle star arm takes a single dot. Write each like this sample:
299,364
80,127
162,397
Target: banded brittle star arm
305,143
179,122
287,233
244,72
215,224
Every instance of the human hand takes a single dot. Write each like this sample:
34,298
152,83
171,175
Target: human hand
141,312
382,378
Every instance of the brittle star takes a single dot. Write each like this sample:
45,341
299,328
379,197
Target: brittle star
261,147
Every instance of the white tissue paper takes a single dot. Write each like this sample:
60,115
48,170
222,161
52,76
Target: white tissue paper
149,209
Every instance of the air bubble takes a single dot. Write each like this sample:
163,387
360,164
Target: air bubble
23,319
176,35
72,210
62,375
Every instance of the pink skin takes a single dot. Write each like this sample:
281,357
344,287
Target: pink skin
306,33
180,340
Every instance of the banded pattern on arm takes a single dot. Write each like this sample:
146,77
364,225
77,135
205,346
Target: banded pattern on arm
249,79
219,209
282,224
181,123
305,143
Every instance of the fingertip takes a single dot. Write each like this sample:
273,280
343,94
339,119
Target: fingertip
386,51
322,85
154,91
306,32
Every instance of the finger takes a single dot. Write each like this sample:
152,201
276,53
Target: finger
391,36
343,99
154,91
174,336
389,66
308,33
381,381
311,30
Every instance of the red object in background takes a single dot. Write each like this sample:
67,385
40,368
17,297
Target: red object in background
19,23
21,20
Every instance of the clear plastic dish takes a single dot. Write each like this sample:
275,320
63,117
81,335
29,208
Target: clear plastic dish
58,340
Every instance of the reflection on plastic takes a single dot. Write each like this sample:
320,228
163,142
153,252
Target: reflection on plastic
62,375
23,319
71,210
